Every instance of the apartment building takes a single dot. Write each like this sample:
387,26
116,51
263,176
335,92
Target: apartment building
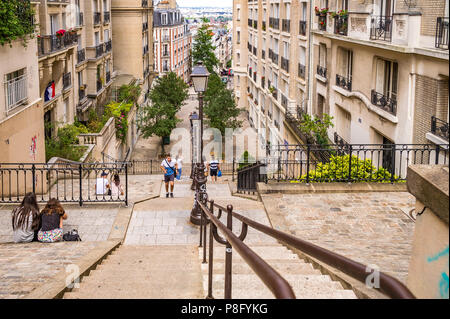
21,112
222,42
270,62
380,68
173,40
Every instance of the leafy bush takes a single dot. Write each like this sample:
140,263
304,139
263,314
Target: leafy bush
120,113
129,92
16,21
64,145
246,159
317,127
337,168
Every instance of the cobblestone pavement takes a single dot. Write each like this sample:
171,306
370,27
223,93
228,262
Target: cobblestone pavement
24,269
368,227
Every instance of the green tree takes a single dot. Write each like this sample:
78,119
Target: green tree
317,127
203,50
170,88
16,21
220,106
129,93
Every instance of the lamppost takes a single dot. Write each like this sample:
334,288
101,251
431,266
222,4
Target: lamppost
199,78
193,118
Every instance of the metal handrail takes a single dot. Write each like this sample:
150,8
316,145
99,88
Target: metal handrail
269,276
388,284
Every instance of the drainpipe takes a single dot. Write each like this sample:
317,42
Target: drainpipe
310,62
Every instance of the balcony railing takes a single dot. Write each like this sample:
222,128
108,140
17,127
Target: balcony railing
97,18
322,71
144,26
323,22
49,44
341,25
263,54
16,92
264,25
285,64
106,17
255,24
99,50
302,27
81,93
388,104
80,19
284,101
339,141
301,71
108,46
439,128
381,28
263,82
250,22
254,51
144,3
108,76
344,82
274,23
442,33
286,25
81,55
67,80
99,85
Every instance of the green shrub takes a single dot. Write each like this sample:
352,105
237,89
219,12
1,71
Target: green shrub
64,144
337,169
16,21
120,113
246,159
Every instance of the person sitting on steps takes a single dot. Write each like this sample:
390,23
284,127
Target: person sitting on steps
169,168
52,222
116,187
26,220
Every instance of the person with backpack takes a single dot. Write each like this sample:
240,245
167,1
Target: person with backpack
26,220
214,167
169,168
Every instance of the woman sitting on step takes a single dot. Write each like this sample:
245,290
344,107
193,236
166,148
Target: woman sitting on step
26,220
52,222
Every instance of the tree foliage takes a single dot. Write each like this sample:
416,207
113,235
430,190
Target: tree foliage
129,92
317,127
16,21
220,106
203,50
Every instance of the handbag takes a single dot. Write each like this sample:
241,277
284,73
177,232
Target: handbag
72,235
219,173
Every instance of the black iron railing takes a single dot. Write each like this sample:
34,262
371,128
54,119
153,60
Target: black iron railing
81,94
106,17
99,49
97,16
341,25
263,54
439,128
249,176
99,85
69,182
442,33
379,163
81,55
344,82
108,46
322,71
302,27
381,28
286,25
67,80
274,23
301,70
48,44
322,22
285,64
384,102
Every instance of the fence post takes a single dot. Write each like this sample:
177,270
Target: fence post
308,150
228,255
151,167
33,178
133,165
436,160
126,184
210,257
232,178
80,171
392,163
349,179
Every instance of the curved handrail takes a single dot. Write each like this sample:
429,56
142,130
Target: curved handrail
388,284
271,278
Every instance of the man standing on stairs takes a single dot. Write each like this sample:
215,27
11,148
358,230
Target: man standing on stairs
169,168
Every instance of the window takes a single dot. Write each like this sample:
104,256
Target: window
106,35
288,10
164,18
97,38
65,111
323,55
54,26
16,88
304,11
345,63
302,55
387,78
238,33
285,50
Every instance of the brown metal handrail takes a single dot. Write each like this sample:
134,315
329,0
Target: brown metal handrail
270,277
388,284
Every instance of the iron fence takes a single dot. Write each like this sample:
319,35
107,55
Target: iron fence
68,182
439,127
442,33
381,28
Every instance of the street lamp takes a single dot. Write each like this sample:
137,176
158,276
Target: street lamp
199,78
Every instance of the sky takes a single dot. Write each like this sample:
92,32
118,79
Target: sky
205,3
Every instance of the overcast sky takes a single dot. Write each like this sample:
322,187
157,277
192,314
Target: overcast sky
205,3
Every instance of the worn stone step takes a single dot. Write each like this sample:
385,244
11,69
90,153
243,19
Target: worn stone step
282,266
299,294
265,252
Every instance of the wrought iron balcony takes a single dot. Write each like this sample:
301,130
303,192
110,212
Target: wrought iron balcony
144,26
439,128
49,44
97,18
81,93
99,50
442,33
144,3
67,80
108,46
274,23
106,17
285,64
344,82
301,70
388,104
302,27
99,85
250,22
284,101
381,28
322,71
108,76
263,54
323,22
286,25
81,55
264,25
341,24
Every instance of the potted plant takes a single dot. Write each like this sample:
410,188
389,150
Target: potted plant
320,12
271,89
340,13
60,33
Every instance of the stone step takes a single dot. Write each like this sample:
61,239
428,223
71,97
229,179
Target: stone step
299,294
265,252
281,266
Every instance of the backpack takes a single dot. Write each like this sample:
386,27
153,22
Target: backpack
72,236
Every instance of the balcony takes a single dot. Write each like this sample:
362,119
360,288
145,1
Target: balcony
58,1
302,27
79,19
341,25
381,28
16,92
255,24
274,23
106,17
166,54
344,82
145,50
301,71
322,22
254,76
285,64
144,3
263,54
254,51
263,82
108,76
81,55
144,26
250,22
99,85
439,128
97,18
99,50
322,71
67,80
108,46
388,104
286,25
264,25
284,101
49,44
442,34
81,93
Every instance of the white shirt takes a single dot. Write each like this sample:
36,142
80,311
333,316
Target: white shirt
101,186
165,163
180,162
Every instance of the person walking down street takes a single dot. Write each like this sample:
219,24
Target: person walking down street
169,168
52,222
213,167
26,220
179,166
